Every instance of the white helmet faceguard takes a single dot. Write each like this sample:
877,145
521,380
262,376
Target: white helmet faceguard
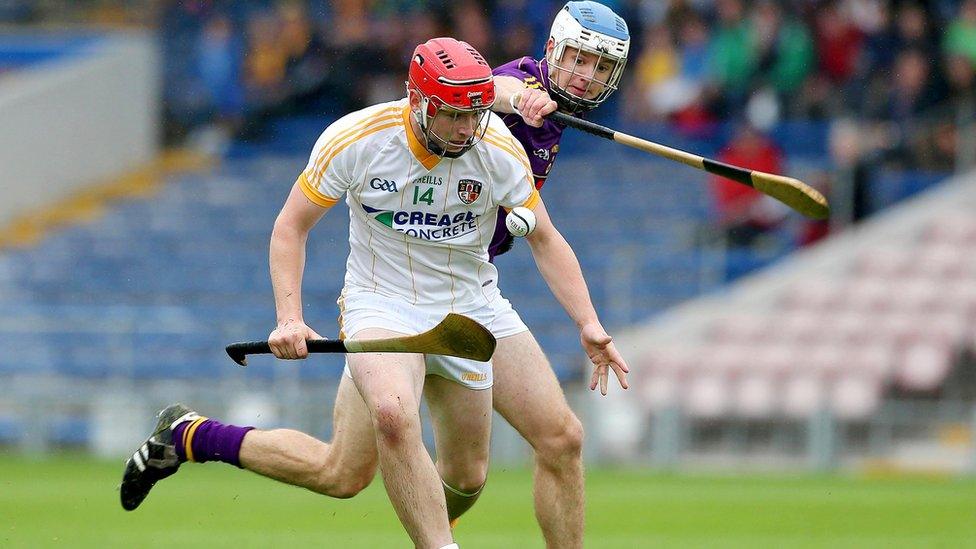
593,28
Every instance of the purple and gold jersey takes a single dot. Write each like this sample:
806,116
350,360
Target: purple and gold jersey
541,144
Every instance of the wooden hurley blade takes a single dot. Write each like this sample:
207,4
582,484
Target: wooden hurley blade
794,193
456,335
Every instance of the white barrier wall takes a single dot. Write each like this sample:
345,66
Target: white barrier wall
82,119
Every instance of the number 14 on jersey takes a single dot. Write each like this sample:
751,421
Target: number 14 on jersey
427,196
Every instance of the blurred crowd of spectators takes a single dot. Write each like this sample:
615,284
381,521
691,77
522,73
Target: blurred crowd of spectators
912,64
228,60
895,79
693,62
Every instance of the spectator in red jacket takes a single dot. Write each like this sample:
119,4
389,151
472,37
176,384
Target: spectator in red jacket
744,213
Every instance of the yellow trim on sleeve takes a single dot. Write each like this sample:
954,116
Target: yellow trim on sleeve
313,194
533,200
361,128
515,150
338,148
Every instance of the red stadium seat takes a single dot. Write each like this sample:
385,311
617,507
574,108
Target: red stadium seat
660,391
727,359
802,395
894,328
826,359
855,397
666,359
923,366
813,294
745,328
959,297
871,359
869,294
958,230
848,327
706,396
754,395
940,260
799,326
888,262
774,358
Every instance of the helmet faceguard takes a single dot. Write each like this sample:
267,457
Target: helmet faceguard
588,28
454,91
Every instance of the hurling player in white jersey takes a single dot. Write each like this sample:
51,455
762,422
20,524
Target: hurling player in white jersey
423,178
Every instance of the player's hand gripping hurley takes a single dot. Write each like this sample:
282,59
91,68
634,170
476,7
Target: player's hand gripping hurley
792,192
456,335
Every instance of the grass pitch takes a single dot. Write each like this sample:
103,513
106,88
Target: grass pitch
71,501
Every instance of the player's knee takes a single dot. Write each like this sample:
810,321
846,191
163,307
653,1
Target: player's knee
343,487
563,444
350,485
336,479
467,477
394,421
473,481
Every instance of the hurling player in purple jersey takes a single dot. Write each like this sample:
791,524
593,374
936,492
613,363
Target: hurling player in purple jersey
584,59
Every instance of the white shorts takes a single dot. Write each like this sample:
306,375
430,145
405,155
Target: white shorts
363,310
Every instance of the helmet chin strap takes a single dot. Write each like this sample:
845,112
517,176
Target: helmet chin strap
434,143
435,146
438,146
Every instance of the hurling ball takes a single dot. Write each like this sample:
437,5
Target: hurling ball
520,221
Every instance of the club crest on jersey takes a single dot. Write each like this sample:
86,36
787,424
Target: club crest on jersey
469,190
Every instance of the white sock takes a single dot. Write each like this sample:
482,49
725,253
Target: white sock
451,546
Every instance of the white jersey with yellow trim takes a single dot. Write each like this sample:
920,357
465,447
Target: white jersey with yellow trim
419,224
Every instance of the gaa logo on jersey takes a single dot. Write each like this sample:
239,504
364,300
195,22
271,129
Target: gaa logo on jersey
383,185
469,190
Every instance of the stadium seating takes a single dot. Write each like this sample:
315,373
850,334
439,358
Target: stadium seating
841,333
156,287
153,290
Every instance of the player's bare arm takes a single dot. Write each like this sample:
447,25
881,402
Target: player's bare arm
561,270
511,95
287,260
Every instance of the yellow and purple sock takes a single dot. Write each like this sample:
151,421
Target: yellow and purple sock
205,439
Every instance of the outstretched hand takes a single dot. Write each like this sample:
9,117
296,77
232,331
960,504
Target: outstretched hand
288,339
604,356
533,105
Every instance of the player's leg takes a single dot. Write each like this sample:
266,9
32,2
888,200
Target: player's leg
527,394
461,419
341,468
391,386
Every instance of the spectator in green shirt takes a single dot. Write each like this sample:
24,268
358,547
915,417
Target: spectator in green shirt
960,38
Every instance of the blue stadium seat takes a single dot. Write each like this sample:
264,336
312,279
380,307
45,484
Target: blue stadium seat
157,287
12,430
69,431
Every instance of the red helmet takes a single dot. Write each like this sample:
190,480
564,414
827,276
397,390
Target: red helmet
448,73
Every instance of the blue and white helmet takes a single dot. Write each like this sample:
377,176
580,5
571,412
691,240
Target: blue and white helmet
594,28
